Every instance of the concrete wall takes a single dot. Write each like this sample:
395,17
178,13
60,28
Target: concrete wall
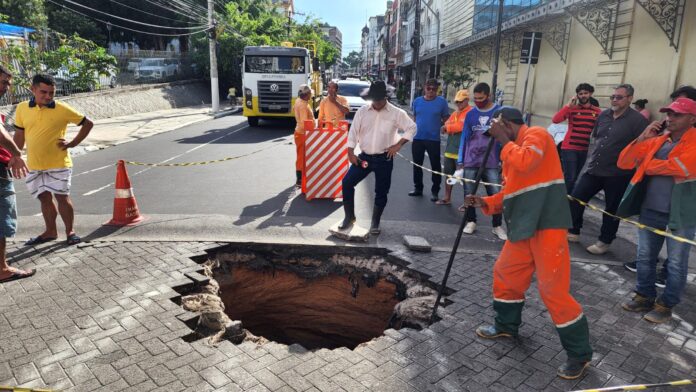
128,100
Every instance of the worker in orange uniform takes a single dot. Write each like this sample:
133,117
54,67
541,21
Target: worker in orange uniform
453,128
537,216
302,112
335,107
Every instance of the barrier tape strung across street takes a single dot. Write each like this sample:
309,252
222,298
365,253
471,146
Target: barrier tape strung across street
201,163
591,206
639,387
19,389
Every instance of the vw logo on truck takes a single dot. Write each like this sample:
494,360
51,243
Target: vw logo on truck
274,88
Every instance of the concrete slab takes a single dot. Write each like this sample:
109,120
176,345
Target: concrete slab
418,244
353,233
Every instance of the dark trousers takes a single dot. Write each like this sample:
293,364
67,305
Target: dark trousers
418,150
588,186
572,162
381,166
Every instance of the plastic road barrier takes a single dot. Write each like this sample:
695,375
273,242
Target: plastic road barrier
326,160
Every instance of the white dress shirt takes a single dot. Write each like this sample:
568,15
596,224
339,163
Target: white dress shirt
376,130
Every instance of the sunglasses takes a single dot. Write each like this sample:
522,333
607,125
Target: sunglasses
617,97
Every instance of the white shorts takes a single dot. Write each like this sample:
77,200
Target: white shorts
56,181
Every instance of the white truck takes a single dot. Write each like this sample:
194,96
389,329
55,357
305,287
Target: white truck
271,77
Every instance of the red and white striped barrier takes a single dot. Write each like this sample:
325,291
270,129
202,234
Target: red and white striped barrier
326,160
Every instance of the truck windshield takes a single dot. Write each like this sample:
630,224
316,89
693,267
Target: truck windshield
275,64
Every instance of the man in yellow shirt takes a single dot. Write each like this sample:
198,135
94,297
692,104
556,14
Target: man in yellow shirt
42,123
302,112
335,107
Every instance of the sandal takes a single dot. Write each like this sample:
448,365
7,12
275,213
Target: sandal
18,274
462,208
73,239
39,240
442,202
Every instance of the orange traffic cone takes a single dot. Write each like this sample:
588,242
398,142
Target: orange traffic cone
125,207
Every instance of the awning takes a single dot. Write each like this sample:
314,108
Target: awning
14,31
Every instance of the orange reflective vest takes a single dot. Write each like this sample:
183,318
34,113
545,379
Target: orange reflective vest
534,193
680,164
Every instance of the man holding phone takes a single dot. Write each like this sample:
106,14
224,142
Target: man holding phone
581,115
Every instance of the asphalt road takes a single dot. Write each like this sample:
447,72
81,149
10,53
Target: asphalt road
257,191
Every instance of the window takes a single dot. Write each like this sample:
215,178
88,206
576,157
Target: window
275,64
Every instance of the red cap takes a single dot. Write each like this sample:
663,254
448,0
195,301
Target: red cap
681,105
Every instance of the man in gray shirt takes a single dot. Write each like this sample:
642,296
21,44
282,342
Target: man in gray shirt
615,129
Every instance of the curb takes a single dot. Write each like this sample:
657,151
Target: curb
229,112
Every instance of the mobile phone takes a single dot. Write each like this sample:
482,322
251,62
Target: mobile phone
663,127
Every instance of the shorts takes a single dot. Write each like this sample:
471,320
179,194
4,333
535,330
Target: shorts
56,181
8,209
450,165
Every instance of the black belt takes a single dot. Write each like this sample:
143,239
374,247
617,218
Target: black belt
383,154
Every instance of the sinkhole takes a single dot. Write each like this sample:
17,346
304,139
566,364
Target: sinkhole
314,296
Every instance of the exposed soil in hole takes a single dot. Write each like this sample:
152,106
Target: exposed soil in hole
315,296
283,307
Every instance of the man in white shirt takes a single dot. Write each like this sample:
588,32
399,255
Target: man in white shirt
374,129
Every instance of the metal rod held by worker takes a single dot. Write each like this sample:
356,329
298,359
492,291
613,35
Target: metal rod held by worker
479,174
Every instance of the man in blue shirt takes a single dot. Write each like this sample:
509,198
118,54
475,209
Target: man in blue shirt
430,112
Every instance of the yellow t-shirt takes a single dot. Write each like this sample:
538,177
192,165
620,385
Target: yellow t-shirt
328,111
43,126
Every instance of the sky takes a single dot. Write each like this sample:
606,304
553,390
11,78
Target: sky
350,16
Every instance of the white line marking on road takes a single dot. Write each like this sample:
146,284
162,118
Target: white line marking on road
92,192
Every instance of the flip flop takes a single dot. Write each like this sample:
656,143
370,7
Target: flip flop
462,208
73,239
39,240
18,274
443,202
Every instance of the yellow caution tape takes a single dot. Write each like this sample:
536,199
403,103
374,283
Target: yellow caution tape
184,164
593,207
640,387
18,389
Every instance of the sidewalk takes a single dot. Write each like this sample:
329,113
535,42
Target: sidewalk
117,130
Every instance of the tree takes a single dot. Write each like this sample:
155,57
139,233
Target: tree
459,70
27,13
354,59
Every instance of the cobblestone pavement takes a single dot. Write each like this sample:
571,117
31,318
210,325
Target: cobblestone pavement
98,317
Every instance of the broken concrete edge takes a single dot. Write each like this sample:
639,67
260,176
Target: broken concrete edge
213,323
353,233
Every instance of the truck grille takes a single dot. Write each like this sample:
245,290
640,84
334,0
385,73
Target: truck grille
275,97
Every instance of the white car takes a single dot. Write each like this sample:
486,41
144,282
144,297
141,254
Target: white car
156,68
353,90
66,82
134,64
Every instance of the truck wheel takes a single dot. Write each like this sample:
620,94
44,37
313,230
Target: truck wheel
253,121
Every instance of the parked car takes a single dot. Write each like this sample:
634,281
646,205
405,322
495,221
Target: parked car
156,68
353,90
68,82
134,64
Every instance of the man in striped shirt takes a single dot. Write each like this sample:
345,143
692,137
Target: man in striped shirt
582,116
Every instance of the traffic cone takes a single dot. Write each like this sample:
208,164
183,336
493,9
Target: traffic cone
125,207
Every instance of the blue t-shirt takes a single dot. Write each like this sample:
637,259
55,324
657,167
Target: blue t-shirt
429,116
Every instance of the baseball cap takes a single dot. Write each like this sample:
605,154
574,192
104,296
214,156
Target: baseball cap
681,105
510,114
462,95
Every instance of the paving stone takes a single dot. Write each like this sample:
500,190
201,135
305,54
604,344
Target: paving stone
215,377
269,380
52,373
25,373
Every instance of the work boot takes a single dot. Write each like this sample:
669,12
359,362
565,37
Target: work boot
491,332
349,210
639,304
298,175
598,248
572,369
660,314
376,216
415,193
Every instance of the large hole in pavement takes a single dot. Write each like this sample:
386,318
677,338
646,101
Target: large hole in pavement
315,296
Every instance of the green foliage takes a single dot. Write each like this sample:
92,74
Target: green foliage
4,18
459,70
354,59
76,59
69,23
27,13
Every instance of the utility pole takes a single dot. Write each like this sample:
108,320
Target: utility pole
388,24
415,43
212,43
498,33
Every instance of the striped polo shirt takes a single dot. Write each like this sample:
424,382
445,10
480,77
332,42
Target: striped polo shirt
581,122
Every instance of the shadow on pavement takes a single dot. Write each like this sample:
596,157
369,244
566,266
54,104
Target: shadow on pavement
291,206
257,136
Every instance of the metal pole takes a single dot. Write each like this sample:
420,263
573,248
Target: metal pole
416,53
214,92
437,44
479,173
529,68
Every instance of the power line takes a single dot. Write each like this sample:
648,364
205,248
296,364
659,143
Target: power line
133,21
149,13
176,11
126,28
